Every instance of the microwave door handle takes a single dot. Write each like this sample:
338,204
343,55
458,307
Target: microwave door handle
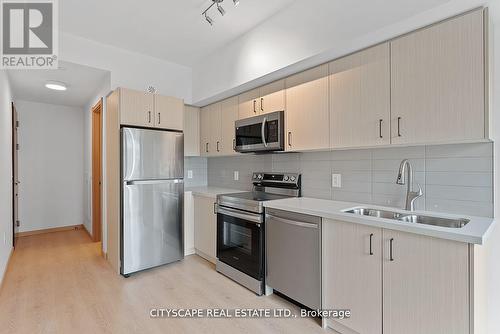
263,131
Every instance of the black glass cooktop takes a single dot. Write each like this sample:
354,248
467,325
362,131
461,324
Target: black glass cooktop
258,196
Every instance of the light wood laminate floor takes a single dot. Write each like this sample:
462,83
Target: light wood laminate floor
59,283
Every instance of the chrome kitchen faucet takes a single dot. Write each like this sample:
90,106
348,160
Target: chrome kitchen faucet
406,168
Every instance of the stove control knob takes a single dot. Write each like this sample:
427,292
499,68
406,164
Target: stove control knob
292,178
255,176
259,176
286,178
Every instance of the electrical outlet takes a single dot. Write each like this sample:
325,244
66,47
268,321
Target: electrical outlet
336,180
190,174
236,175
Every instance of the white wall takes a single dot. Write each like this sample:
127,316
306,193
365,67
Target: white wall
5,172
309,33
129,69
51,164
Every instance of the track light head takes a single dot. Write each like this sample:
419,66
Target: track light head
236,2
209,19
221,10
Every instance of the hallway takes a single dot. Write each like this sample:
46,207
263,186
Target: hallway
59,283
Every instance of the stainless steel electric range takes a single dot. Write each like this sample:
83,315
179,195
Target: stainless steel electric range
241,227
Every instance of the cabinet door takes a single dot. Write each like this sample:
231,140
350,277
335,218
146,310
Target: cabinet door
215,120
229,114
136,108
205,227
352,275
272,97
205,147
426,285
438,82
191,131
360,99
169,112
248,104
307,113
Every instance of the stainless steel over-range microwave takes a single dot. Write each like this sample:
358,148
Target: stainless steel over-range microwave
260,133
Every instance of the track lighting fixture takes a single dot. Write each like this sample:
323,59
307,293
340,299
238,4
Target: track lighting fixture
221,10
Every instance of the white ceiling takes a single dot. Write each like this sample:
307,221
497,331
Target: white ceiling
82,82
167,29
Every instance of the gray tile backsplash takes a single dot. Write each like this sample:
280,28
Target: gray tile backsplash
198,166
455,178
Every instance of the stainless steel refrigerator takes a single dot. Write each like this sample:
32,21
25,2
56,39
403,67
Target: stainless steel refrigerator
151,199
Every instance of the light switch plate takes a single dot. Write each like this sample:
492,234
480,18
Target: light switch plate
336,180
190,174
236,175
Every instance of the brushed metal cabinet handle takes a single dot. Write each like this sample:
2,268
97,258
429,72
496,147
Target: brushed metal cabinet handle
261,104
371,238
290,138
254,110
215,208
218,146
234,144
391,257
159,118
206,147
380,128
399,126
149,116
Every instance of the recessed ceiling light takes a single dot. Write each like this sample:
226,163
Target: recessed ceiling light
56,85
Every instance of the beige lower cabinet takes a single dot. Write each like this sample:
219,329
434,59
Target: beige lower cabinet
205,227
353,275
307,117
426,285
405,283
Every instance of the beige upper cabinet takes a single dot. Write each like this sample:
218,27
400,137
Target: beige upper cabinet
425,285
229,115
191,131
263,100
136,108
272,97
360,99
215,120
352,275
248,104
205,148
438,83
169,112
217,127
307,116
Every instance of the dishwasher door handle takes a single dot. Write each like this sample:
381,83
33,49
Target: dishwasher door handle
291,222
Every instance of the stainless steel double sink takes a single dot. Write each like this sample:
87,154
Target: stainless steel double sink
410,217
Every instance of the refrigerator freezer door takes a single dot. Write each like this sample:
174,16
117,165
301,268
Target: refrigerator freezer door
152,224
152,154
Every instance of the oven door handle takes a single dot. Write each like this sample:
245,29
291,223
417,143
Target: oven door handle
238,214
263,131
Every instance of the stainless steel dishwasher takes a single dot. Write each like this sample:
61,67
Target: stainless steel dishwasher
293,256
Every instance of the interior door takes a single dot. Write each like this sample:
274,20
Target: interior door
152,224
15,173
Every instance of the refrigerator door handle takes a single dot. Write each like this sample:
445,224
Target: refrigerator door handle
132,182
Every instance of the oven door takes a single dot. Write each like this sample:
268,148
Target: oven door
240,241
260,133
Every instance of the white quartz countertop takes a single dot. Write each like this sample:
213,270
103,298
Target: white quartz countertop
475,232
211,192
